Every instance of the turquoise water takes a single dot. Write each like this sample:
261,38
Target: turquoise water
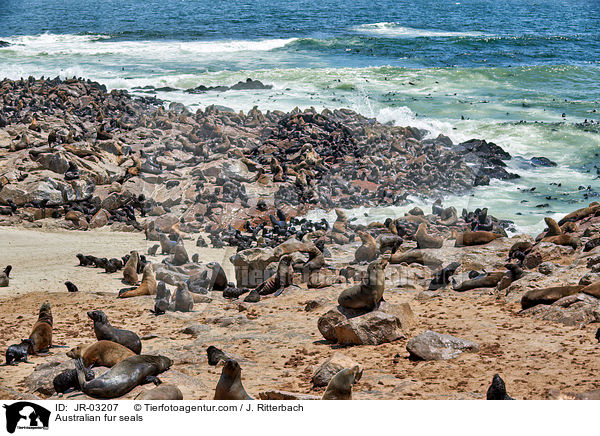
523,74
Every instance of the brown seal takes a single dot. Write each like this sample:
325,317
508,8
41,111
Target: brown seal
130,275
183,302
368,250
579,214
592,289
489,280
230,385
565,240
424,240
340,386
548,295
41,334
101,353
278,282
147,287
338,232
467,239
514,272
368,293
553,228
104,331
163,392
416,256
124,376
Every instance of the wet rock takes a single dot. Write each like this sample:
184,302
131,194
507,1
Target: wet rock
431,345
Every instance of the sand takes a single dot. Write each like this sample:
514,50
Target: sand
276,341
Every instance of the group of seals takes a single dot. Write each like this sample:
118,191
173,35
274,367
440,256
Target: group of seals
105,331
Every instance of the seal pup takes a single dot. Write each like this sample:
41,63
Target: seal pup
548,295
184,302
368,250
441,278
124,376
101,353
166,245
130,275
41,334
71,287
369,292
252,297
162,300
424,240
497,390
214,355
338,232
515,272
5,277
147,287
163,392
278,282
105,331
340,386
68,380
230,385
480,237
18,352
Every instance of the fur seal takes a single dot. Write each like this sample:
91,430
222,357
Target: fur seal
368,250
218,279
424,240
487,280
163,392
71,287
548,295
368,293
105,331
162,300
68,379
579,214
230,385
147,287
252,297
18,352
553,228
101,353
467,239
180,256
4,277
566,240
441,278
130,275
340,386
183,300
389,242
278,282
124,376
166,245
592,289
515,272
416,256
497,390
41,334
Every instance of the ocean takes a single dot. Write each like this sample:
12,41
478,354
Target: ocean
522,74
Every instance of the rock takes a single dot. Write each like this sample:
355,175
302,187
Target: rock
100,219
195,329
41,379
532,260
251,266
331,367
313,304
573,310
546,268
112,202
435,346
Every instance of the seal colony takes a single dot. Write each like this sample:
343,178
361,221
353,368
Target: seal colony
77,157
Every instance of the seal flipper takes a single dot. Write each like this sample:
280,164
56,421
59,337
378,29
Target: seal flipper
152,379
80,368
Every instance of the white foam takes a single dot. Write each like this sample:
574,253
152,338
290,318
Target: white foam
394,29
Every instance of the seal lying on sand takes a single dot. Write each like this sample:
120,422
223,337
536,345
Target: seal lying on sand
147,287
340,386
101,353
368,293
18,352
230,385
486,280
497,390
163,392
416,256
41,334
105,331
548,295
4,277
124,376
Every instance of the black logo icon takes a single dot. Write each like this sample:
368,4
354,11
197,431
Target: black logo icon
26,415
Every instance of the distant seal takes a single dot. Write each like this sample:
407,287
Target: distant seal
441,278
368,293
124,376
163,392
166,245
147,287
467,239
368,250
162,300
487,280
230,385
41,334
101,353
4,277
130,275
180,256
105,331
18,352
497,390
340,386
278,282
68,380
218,279
424,240
71,287
548,295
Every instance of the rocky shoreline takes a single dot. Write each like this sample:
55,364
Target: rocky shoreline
75,157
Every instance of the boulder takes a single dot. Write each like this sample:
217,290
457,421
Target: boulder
100,219
251,266
331,367
435,346
573,310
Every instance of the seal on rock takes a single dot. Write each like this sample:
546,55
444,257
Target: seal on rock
548,295
130,275
105,331
368,250
41,334
441,278
147,287
278,282
101,353
480,237
424,240
68,380
565,240
124,376
553,228
340,386
163,392
368,293
230,385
